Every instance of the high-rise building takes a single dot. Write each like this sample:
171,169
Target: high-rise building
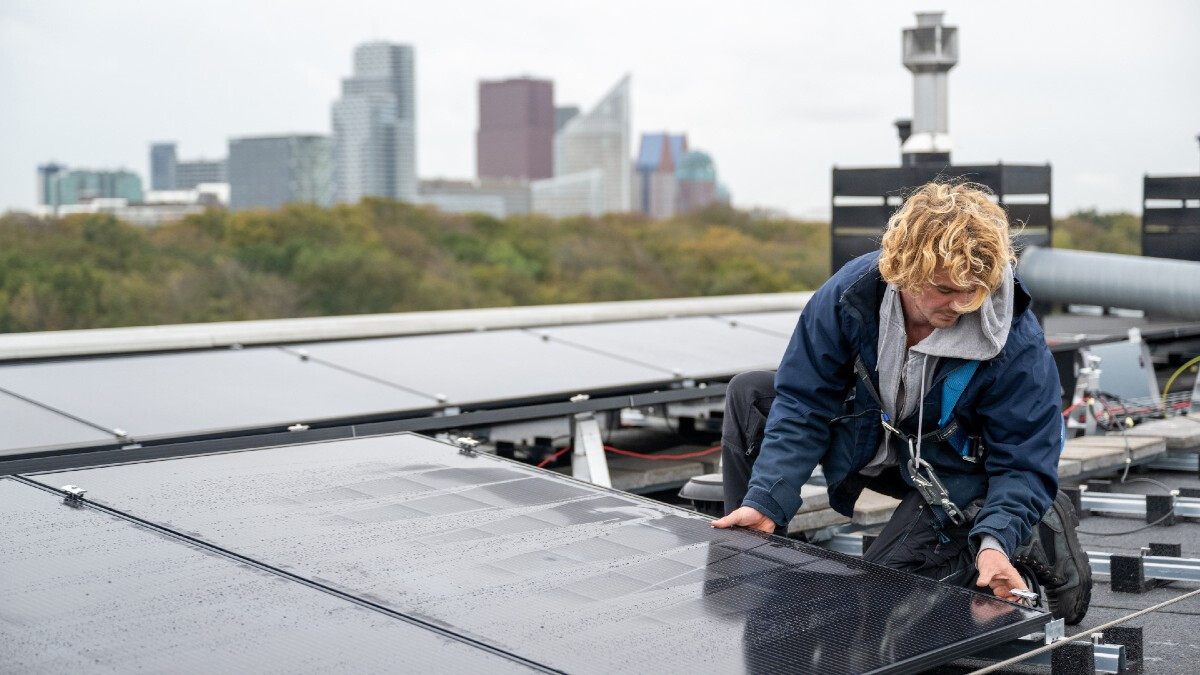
564,114
192,173
599,139
46,186
697,178
268,172
162,166
374,126
83,186
497,198
655,188
576,194
516,130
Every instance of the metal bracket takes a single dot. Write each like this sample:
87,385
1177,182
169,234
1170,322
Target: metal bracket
588,461
1056,630
466,445
74,494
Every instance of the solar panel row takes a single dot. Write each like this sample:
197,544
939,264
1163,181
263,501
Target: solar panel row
527,565
106,400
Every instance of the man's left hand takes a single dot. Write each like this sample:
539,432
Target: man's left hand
996,571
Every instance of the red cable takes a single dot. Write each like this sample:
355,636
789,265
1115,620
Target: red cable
542,464
689,455
630,453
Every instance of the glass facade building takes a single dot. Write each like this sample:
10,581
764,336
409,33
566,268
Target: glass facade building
162,166
192,173
268,172
374,126
82,186
599,139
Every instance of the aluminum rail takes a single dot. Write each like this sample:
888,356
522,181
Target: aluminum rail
51,344
1155,566
1112,502
1156,285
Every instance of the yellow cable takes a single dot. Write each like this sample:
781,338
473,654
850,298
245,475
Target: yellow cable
1174,375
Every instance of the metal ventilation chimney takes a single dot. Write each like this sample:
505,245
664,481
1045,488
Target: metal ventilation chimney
930,51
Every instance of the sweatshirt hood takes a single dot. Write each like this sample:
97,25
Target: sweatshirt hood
978,335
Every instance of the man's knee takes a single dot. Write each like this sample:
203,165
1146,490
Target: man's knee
748,387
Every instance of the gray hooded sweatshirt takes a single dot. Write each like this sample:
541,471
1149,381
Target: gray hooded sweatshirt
904,373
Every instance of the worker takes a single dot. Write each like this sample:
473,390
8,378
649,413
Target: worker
920,371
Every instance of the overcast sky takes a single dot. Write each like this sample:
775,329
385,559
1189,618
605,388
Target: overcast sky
777,92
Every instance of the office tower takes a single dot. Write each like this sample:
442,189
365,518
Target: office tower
374,126
564,114
656,189
82,186
591,148
191,173
270,171
697,179
516,130
162,166
46,187
578,194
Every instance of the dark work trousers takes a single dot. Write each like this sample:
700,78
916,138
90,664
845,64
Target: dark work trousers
910,541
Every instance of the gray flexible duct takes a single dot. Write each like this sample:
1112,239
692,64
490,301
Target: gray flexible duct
1155,285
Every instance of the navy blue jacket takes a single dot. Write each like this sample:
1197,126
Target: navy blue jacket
1013,403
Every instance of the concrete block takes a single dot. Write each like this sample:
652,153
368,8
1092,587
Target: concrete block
656,473
1092,458
1140,447
1069,467
813,498
873,508
816,520
1180,433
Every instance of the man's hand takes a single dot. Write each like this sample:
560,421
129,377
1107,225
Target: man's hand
996,571
746,517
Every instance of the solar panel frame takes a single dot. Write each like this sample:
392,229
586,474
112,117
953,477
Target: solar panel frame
486,366
691,347
154,396
31,429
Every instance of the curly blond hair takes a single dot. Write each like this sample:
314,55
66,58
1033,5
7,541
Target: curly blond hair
954,226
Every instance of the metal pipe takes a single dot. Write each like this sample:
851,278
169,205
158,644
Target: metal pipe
1154,285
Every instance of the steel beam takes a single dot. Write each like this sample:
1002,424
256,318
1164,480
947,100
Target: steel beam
1156,567
1135,504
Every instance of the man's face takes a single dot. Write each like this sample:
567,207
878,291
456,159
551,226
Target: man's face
934,306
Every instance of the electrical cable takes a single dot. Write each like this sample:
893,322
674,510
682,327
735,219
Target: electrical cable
690,455
1176,374
1144,527
542,464
1098,629
630,453
1133,531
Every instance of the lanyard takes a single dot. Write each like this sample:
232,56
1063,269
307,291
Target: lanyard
924,477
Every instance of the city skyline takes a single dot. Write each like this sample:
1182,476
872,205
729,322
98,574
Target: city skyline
813,87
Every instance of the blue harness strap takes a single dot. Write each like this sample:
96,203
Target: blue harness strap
952,389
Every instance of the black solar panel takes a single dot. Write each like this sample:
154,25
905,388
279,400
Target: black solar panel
487,366
562,573
778,323
85,591
195,392
27,427
692,346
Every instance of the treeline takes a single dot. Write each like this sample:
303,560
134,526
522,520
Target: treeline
92,271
